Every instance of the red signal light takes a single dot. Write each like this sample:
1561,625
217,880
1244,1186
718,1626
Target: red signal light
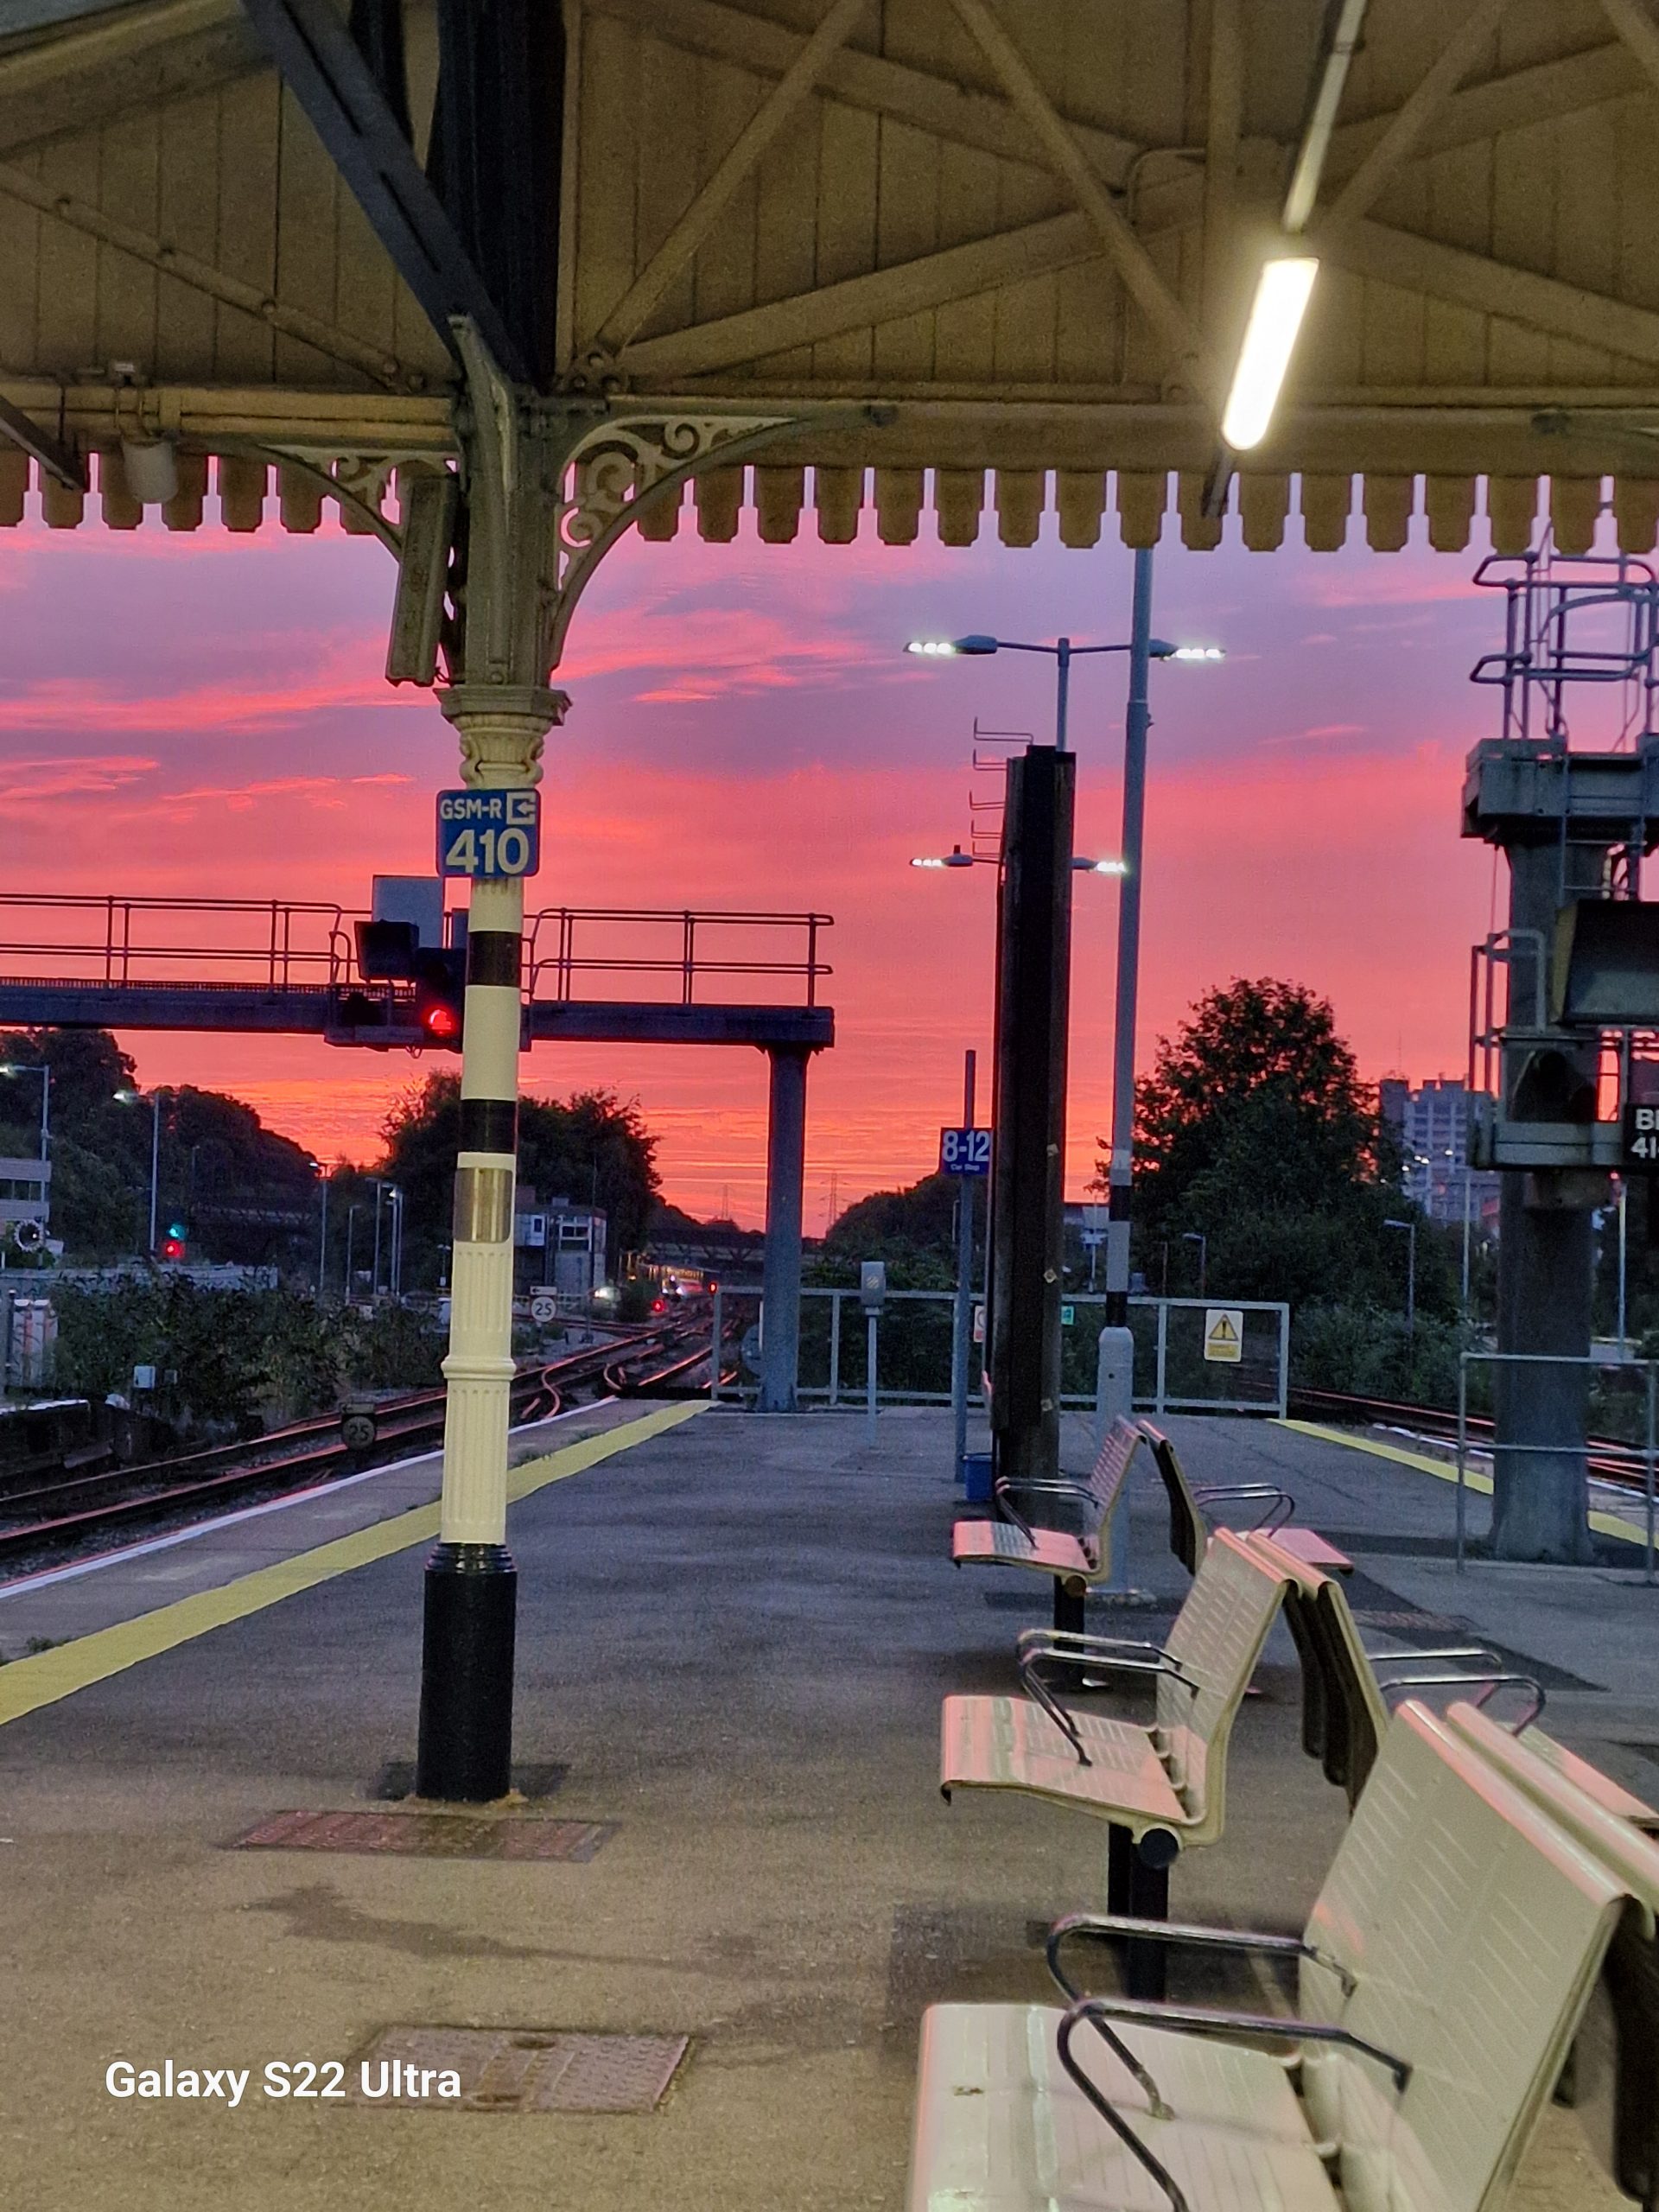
440,1022
659,1306
173,1248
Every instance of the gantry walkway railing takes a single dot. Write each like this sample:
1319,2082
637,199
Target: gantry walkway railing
290,966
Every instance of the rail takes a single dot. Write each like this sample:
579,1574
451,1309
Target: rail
281,944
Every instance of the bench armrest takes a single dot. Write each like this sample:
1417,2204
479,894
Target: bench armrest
1487,1685
1412,1657
1076,1649
1195,2020
1104,1926
1282,1506
1064,1485
1030,1660
1085,1642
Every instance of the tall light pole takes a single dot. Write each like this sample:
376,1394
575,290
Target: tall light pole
1410,1228
1120,1171
135,1099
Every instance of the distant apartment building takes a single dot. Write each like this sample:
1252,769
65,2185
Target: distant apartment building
1432,1123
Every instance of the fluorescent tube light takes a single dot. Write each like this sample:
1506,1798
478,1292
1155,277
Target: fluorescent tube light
1282,292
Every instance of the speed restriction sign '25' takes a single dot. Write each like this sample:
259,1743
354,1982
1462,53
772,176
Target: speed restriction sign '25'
490,833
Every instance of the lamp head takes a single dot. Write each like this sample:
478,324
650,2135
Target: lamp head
948,648
1188,653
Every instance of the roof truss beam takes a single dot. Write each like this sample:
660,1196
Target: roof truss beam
1541,91
1383,160
932,280
1061,152
321,66
1494,288
89,77
738,163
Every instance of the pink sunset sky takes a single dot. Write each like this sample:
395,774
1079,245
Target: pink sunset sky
206,716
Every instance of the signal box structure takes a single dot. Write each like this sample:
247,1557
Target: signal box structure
1564,1002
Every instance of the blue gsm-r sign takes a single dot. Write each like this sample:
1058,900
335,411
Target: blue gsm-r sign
489,834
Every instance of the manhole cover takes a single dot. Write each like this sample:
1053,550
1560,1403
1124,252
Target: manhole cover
430,1835
515,2070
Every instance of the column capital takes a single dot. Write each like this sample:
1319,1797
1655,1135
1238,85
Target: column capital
501,728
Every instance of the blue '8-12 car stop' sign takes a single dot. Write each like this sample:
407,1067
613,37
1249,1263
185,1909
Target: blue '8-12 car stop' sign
489,833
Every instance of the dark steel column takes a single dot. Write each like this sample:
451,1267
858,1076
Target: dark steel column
1033,1003
780,1353
1545,1280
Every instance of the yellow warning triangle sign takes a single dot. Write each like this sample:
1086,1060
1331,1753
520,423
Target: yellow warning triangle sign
1224,1334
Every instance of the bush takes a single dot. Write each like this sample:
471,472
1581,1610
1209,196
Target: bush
243,1360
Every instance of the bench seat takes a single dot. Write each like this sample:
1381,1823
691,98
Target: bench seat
1046,1551
1442,1972
1010,1743
1002,2127
1308,1545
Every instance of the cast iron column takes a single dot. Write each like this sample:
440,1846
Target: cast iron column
465,1752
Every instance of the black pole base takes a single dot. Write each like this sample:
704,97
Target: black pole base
465,1752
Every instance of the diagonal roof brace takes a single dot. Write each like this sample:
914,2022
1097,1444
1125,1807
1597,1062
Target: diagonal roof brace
322,67
54,459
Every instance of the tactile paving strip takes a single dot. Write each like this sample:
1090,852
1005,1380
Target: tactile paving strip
430,1835
516,2070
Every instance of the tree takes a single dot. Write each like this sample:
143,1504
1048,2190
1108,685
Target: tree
1255,1131
592,1148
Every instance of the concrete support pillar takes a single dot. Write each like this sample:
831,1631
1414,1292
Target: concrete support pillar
466,1728
781,1351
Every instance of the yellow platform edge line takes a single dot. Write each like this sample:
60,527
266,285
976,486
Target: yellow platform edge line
28,1684
1605,1524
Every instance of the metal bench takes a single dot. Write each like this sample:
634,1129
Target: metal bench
1073,1560
1161,1786
1348,1689
1619,1829
1189,1529
1443,1972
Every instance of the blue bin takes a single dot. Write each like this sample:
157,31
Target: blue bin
975,1472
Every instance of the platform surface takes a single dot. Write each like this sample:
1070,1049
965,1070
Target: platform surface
735,1637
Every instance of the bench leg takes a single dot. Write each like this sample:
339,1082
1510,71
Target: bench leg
1145,1965
1069,1616
1120,1869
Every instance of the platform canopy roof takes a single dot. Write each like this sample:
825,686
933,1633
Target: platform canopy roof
984,255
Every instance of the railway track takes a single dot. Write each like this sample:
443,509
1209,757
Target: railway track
1608,1458
73,1513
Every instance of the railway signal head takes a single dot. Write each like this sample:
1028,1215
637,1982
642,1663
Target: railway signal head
440,996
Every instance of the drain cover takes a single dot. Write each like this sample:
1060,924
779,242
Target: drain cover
516,2070
430,1835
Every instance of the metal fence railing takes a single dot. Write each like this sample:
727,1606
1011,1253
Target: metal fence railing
1175,1343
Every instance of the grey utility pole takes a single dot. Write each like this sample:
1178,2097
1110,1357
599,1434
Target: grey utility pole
962,1346
1137,721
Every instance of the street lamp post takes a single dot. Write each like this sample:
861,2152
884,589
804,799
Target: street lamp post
1193,1237
1136,721
1410,1228
135,1099
1142,649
